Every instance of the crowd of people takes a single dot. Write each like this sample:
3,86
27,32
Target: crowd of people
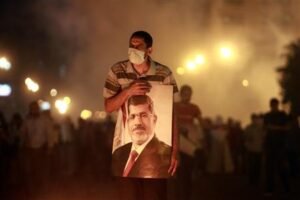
266,148
36,149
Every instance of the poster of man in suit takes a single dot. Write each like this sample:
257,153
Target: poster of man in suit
146,137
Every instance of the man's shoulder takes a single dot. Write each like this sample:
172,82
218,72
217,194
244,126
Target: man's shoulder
122,149
119,66
161,146
187,107
164,147
162,69
271,114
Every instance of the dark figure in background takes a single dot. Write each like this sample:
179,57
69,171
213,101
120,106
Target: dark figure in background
4,146
192,145
276,124
293,147
15,125
34,140
235,141
254,139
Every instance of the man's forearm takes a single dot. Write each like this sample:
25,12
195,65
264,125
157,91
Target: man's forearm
114,103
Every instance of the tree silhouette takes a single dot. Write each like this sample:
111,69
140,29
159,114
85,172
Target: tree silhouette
290,79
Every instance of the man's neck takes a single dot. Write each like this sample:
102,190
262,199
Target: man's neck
142,68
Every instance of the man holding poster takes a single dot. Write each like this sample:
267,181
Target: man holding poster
137,76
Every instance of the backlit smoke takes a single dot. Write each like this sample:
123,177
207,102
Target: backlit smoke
98,31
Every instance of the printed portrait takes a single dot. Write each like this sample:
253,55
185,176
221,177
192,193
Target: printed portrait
144,141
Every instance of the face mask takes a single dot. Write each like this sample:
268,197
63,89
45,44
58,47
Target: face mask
136,56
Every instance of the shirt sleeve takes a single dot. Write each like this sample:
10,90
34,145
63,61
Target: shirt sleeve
111,86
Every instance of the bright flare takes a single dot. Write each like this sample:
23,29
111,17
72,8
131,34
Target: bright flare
86,114
200,59
61,106
31,85
190,65
67,100
4,64
45,105
226,52
245,83
53,92
5,90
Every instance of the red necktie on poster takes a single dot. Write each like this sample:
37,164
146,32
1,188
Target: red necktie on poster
132,157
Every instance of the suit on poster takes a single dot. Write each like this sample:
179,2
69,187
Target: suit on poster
153,162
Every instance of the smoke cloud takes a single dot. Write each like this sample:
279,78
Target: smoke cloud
97,33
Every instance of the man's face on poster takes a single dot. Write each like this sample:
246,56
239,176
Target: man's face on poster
141,123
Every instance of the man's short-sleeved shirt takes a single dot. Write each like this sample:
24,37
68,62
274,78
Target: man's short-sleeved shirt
186,113
122,74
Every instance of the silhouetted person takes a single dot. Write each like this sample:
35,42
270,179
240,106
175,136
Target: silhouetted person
293,147
276,124
34,140
253,140
191,141
4,148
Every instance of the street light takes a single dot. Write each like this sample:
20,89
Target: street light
225,52
5,64
62,105
245,83
86,114
193,64
200,59
5,90
32,85
53,92
45,105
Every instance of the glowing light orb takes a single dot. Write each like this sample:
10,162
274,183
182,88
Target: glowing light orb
45,105
5,90
67,100
190,65
4,64
245,83
200,60
226,52
32,85
53,92
61,106
85,114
